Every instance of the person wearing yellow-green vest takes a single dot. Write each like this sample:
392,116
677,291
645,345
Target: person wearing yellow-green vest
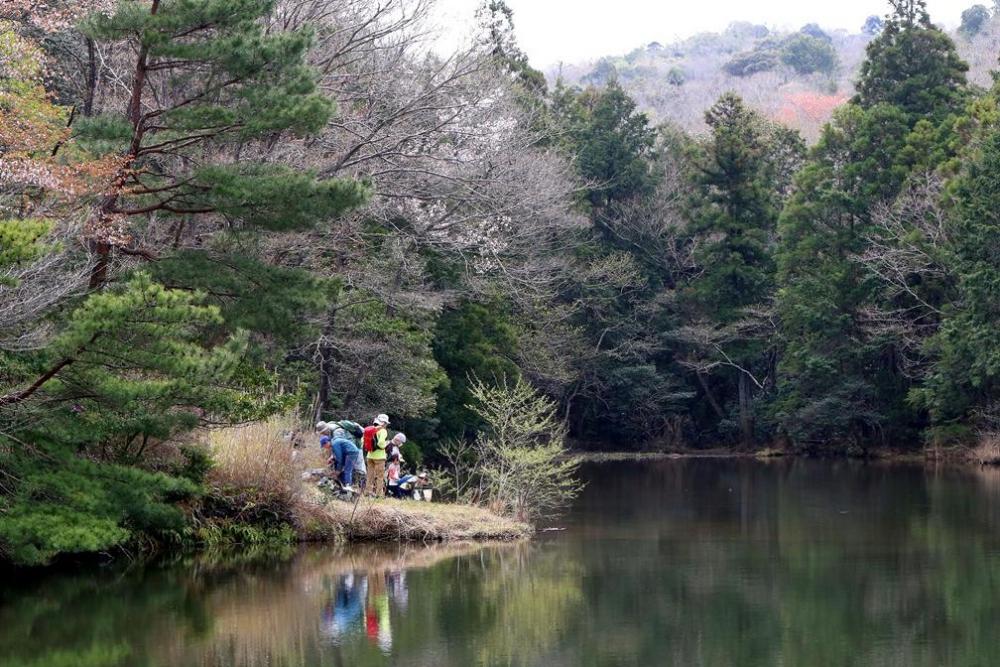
376,457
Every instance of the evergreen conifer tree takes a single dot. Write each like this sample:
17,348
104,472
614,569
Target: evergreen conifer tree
838,382
966,349
912,65
148,354
614,143
209,83
737,198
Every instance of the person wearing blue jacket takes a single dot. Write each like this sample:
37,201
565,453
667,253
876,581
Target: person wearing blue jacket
343,455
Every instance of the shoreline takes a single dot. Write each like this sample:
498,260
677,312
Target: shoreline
948,455
389,520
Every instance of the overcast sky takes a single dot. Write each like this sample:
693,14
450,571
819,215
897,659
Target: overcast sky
551,31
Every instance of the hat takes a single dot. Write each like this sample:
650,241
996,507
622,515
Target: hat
382,419
322,426
400,438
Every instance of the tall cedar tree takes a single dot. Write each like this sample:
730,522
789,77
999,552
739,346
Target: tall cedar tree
613,146
966,372
626,374
912,65
838,383
734,213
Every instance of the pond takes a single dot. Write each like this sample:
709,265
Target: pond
672,562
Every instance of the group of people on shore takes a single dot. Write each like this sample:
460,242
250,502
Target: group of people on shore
365,454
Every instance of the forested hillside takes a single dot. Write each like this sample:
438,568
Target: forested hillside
214,211
796,78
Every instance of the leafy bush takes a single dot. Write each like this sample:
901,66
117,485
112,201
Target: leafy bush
517,465
676,76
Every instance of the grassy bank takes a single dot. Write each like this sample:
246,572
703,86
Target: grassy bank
403,521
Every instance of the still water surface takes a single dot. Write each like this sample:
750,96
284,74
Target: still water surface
687,562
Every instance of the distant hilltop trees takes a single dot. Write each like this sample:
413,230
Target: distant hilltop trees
795,77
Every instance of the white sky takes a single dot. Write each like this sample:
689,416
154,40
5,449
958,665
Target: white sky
552,31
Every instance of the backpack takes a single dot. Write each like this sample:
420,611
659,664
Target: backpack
368,437
354,428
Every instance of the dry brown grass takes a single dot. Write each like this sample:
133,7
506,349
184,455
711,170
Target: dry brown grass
987,451
256,466
403,520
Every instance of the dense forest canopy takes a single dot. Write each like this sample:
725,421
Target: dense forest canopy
213,211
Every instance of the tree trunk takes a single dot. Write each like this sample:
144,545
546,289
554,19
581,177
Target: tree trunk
100,247
325,379
88,97
746,410
325,367
710,396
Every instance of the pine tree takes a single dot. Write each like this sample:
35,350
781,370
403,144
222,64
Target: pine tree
146,355
224,83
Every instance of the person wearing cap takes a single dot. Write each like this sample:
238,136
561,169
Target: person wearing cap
343,453
376,457
325,432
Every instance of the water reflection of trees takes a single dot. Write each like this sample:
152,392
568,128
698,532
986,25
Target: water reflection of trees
681,562
798,563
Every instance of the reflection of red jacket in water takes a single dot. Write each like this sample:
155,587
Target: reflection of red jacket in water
371,623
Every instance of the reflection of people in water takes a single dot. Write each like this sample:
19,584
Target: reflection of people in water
363,600
396,583
346,606
378,626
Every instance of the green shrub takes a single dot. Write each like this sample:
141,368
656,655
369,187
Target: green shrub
197,463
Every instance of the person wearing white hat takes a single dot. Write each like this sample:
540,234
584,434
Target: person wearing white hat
394,448
376,456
